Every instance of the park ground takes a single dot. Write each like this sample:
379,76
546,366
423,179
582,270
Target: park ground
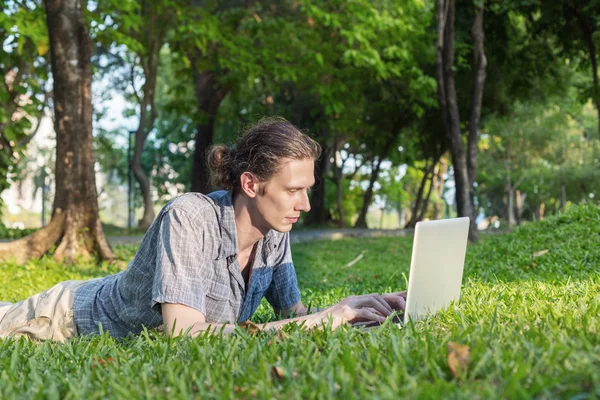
526,326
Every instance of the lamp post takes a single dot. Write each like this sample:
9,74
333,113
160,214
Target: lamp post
41,162
129,182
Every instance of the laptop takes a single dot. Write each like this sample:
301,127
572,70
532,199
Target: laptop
436,268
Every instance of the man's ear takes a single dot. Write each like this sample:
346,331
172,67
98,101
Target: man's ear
249,184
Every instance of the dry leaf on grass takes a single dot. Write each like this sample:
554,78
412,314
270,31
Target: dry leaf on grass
540,253
103,361
244,390
458,358
250,327
279,373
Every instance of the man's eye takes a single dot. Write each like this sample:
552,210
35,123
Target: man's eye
292,190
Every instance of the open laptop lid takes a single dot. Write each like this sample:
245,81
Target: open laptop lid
436,268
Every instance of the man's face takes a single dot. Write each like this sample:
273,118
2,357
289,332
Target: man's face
281,200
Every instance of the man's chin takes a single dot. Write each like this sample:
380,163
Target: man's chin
283,228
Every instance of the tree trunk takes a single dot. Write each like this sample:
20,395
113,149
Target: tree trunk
318,214
539,212
510,208
479,74
588,36
449,106
401,217
152,36
518,206
417,205
425,204
209,96
338,178
407,214
361,222
136,167
563,197
439,187
35,245
340,205
144,128
75,220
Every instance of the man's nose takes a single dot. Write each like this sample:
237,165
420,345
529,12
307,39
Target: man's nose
304,204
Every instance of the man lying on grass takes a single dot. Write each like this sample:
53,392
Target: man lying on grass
207,261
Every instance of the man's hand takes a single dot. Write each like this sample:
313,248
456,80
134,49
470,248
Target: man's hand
369,308
396,300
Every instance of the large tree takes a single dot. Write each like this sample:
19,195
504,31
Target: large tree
146,40
75,224
216,53
464,160
360,65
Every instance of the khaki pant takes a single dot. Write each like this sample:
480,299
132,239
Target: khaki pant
44,316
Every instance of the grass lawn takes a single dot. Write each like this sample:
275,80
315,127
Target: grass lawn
531,323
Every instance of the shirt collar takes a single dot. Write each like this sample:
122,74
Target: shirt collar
229,245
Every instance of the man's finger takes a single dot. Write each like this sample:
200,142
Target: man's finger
380,299
365,315
395,301
374,311
378,304
401,294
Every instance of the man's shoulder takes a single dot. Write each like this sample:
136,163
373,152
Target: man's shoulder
194,205
191,201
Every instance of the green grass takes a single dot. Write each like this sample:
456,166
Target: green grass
532,325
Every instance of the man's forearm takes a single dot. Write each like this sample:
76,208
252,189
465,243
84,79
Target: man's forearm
308,321
298,310
200,328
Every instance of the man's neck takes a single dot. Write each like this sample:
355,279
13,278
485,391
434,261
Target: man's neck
247,233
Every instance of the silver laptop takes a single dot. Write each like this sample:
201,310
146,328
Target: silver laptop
436,267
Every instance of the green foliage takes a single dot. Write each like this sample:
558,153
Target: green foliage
530,322
372,42
13,233
574,27
358,75
523,66
24,72
351,201
539,148
394,187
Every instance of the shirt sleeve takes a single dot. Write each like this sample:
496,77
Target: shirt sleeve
284,292
178,278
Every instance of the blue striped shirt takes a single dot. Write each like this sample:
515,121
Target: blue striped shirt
189,256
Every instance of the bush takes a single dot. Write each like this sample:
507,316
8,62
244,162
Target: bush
14,233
